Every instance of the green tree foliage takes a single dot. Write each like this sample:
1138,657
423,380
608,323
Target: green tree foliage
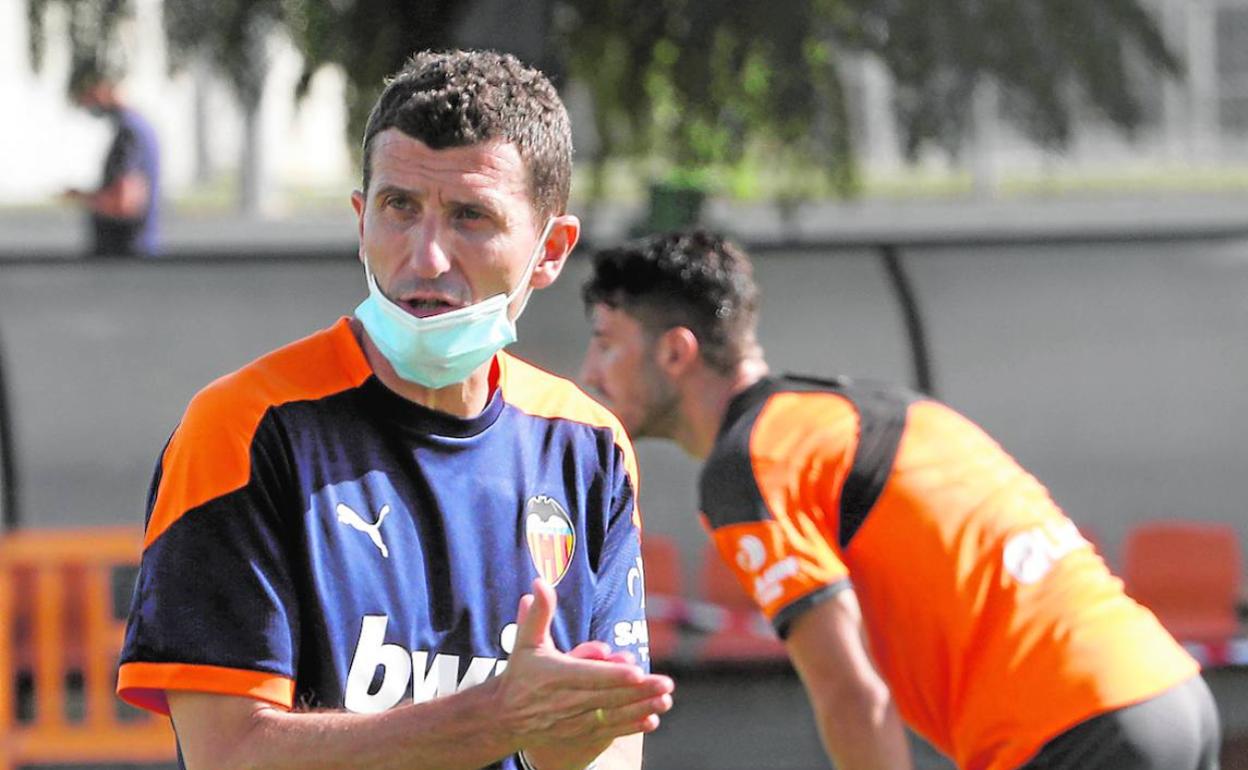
704,83
369,39
1052,58
232,35
609,46
92,28
701,82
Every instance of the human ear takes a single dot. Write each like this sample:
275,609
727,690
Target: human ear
677,350
357,203
565,231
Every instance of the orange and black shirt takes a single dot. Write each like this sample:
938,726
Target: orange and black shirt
994,622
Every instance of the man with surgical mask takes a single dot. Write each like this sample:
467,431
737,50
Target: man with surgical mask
392,544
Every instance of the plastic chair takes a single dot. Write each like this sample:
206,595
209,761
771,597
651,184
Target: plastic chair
665,601
60,633
1189,575
738,631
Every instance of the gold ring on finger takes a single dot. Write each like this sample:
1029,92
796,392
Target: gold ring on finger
600,715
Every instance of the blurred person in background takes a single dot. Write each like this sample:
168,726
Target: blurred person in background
125,208
390,544
914,570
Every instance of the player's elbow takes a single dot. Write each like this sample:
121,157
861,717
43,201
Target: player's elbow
855,707
221,733
858,726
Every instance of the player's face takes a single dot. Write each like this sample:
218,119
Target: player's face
620,367
446,228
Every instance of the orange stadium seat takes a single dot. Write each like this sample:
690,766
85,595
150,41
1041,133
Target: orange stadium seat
60,632
665,602
1189,574
738,631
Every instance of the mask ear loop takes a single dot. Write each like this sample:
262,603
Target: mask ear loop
369,279
538,252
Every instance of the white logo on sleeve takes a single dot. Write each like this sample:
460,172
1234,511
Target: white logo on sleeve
1030,554
768,580
637,582
355,521
751,554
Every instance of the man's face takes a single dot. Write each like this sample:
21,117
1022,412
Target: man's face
92,98
621,367
441,229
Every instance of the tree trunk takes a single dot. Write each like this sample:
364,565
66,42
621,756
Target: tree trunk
252,179
985,119
202,77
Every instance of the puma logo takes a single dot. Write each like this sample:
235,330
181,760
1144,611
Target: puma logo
355,521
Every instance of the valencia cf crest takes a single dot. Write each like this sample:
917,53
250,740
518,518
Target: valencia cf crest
551,539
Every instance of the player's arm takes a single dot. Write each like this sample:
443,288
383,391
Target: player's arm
545,700
623,754
226,732
124,198
853,707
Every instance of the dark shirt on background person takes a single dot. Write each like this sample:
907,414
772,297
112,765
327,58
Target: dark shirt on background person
134,149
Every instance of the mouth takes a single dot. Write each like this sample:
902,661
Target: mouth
425,306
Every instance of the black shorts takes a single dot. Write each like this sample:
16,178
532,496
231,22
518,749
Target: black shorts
1176,730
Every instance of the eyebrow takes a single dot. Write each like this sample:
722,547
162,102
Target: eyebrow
483,202
391,189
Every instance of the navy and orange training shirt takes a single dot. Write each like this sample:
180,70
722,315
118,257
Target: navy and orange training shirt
994,622
316,541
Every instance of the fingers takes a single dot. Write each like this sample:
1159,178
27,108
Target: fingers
573,702
610,722
601,651
533,616
589,695
639,717
574,673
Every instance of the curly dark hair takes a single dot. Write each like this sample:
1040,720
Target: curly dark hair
461,98
690,278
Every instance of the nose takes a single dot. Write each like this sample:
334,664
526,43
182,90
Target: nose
589,373
427,256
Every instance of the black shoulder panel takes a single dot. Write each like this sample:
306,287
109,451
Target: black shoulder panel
727,488
882,412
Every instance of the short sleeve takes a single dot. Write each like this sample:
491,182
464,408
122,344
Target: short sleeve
769,497
214,608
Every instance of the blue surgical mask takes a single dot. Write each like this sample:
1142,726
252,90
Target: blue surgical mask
443,349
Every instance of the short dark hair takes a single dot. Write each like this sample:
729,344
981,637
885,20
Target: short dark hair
690,278
86,72
461,98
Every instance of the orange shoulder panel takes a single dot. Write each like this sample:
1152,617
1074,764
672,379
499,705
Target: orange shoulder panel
210,452
802,448
537,392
